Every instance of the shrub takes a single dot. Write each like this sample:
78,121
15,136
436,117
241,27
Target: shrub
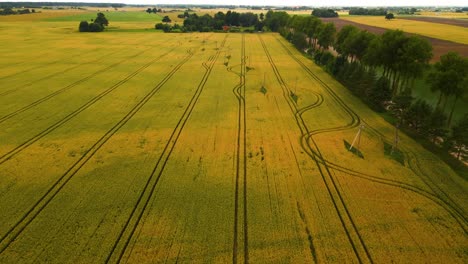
84,26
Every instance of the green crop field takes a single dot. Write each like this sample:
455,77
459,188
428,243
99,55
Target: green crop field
114,16
144,147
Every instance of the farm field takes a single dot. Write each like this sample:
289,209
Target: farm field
145,147
434,30
440,47
440,20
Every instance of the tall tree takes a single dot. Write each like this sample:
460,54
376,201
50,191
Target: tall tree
326,35
342,38
413,58
357,44
449,78
101,20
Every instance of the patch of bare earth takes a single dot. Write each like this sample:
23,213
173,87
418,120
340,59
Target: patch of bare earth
439,20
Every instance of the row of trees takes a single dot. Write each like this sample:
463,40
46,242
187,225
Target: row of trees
382,70
322,12
153,10
9,11
207,23
96,25
367,11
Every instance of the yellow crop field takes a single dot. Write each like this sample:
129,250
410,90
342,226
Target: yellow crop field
462,15
145,147
433,30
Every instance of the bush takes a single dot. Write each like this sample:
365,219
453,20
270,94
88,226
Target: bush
95,27
379,93
84,26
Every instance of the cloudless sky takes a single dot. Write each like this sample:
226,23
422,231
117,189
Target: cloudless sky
283,2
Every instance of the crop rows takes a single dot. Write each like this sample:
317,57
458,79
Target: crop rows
197,185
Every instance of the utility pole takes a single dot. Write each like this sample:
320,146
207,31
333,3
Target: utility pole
358,137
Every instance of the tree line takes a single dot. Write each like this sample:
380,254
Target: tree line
367,11
218,22
96,25
322,12
382,70
9,11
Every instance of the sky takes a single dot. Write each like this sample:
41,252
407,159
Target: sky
282,2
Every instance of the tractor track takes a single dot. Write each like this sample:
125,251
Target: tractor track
128,230
61,90
46,64
5,157
55,74
50,75
30,215
241,159
447,204
357,246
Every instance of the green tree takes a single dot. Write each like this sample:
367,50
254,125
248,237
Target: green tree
101,20
166,19
380,92
390,54
435,126
276,20
326,35
449,78
458,141
389,16
357,44
413,59
84,26
95,27
418,115
373,57
299,40
342,38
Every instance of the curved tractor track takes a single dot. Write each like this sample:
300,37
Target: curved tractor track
241,161
357,243
45,199
127,232
446,203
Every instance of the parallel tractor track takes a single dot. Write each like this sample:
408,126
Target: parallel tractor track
5,157
61,90
45,199
241,159
47,64
127,232
359,247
